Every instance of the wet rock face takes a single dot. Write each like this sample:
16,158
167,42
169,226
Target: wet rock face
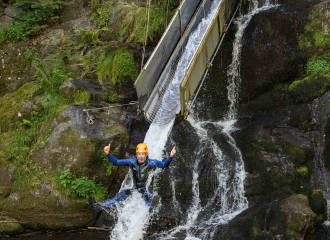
7,175
69,88
300,218
318,205
9,226
272,157
291,218
73,143
277,61
14,69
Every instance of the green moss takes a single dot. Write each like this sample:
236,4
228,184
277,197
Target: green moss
298,154
255,232
277,97
310,88
290,235
10,227
70,138
303,170
317,203
315,35
320,218
47,210
117,67
80,97
11,105
301,117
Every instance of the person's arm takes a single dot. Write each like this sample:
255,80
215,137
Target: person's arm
161,164
115,161
121,162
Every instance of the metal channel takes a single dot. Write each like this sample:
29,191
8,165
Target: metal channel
154,102
200,62
152,70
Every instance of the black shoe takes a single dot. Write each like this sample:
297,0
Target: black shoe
96,207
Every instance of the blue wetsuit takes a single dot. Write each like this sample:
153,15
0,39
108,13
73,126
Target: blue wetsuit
140,176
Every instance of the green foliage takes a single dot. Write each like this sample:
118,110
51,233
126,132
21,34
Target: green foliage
315,35
81,187
29,20
101,16
315,66
303,170
310,88
81,97
117,66
41,144
112,97
35,118
108,165
89,37
135,21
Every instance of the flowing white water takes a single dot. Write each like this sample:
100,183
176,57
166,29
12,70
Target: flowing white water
229,194
156,137
234,76
170,103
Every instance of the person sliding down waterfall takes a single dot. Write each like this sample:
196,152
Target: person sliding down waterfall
141,167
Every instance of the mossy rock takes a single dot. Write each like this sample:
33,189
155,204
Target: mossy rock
10,226
301,117
15,70
17,106
277,163
73,144
5,147
43,206
310,88
293,218
318,204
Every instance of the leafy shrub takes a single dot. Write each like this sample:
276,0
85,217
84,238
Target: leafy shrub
81,187
89,37
112,97
315,66
101,16
29,20
108,165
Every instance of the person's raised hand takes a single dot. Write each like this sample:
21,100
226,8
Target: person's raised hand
107,149
173,152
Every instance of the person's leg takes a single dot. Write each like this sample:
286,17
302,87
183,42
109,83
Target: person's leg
147,195
118,198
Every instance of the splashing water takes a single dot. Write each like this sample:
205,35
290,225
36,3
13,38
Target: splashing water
156,137
228,198
129,225
234,76
170,103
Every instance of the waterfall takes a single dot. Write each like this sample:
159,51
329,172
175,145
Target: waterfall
157,135
228,198
234,76
321,175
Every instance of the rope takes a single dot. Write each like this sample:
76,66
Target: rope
168,3
147,24
90,118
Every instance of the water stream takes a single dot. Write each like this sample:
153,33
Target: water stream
228,198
